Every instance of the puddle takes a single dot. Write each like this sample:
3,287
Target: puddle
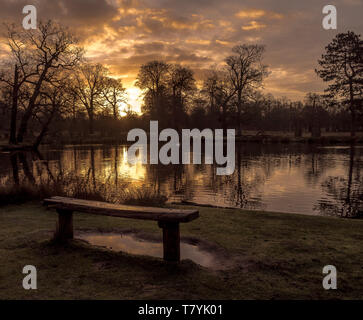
134,245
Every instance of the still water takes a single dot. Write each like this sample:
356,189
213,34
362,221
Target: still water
299,178
131,244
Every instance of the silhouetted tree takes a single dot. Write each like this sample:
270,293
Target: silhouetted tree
342,64
224,93
209,90
114,93
182,83
153,79
246,71
14,85
314,110
55,99
39,55
89,88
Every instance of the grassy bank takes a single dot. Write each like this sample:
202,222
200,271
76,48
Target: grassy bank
271,255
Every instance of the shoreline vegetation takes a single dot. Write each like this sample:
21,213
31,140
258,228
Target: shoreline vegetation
271,256
260,137
194,204
81,188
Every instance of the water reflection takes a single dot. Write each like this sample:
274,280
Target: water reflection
286,178
346,191
133,245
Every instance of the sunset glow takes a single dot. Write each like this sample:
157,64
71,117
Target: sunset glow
123,35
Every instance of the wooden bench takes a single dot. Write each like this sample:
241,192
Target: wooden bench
168,219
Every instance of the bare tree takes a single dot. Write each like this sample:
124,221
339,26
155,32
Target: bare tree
181,82
153,78
55,100
39,55
114,93
210,86
221,92
89,88
13,86
14,77
246,72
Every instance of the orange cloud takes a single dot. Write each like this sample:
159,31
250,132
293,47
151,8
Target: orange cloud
251,13
253,39
224,43
198,41
254,25
192,25
257,13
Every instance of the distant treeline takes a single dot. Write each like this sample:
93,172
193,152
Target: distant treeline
48,88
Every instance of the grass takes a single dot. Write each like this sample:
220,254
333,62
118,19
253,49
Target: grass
275,256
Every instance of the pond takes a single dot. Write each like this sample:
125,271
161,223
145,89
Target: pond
292,178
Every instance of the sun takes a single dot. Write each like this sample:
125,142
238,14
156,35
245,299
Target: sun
134,99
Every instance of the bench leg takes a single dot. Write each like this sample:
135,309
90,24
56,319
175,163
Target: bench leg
64,229
171,240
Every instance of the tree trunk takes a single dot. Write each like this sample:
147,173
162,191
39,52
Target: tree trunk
24,125
315,130
224,119
115,111
352,109
90,118
43,131
239,111
24,121
14,107
26,169
91,130
175,117
348,201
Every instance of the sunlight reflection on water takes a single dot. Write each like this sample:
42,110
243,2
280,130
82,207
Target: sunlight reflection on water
298,178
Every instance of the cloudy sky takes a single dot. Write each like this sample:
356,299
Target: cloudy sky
123,34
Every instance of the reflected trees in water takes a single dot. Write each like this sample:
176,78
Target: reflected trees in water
347,191
285,178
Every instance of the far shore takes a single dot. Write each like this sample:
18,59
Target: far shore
248,136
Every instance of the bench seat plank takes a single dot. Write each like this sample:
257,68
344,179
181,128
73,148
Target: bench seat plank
122,211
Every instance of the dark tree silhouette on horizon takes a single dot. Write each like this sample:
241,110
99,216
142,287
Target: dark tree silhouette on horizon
88,87
246,73
114,93
152,78
182,83
342,65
